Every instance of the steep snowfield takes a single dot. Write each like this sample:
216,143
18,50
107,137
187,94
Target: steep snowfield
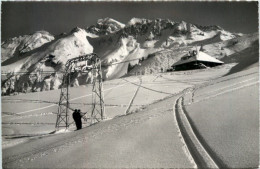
221,49
135,21
111,23
106,26
128,49
214,38
58,51
126,46
116,49
243,50
151,37
70,47
18,46
158,62
50,57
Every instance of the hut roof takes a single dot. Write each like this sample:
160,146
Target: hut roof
199,56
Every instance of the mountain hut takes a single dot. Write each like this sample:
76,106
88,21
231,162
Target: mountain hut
196,60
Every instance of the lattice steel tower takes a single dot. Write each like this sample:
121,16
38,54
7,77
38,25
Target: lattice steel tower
93,64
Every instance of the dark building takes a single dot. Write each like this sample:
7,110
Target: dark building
196,60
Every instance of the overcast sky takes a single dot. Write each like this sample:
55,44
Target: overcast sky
19,18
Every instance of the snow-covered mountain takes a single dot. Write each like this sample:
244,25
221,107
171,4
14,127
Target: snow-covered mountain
23,44
139,40
106,26
51,57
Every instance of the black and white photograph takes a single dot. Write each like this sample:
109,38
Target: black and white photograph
130,84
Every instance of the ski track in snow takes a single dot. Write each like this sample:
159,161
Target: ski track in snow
227,91
221,89
150,88
213,91
23,158
193,90
210,84
132,100
193,147
185,147
30,156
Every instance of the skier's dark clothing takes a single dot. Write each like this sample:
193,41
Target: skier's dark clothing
80,122
77,118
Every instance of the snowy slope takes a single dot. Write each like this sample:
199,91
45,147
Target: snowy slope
111,23
220,49
144,47
242,50
106,26
109,143
135,21
51,57
23,44
60,50
114,42
229,107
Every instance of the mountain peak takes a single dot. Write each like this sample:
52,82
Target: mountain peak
106,26
134,21
209,28
76,29
107,21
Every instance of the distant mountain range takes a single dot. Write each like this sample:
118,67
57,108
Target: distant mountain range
151,45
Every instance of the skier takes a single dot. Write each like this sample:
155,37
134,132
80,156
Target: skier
80,122
77,118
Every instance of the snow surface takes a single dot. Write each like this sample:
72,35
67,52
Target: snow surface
224,110
123,136
23,44
110,21
134,21
70,46
232,127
